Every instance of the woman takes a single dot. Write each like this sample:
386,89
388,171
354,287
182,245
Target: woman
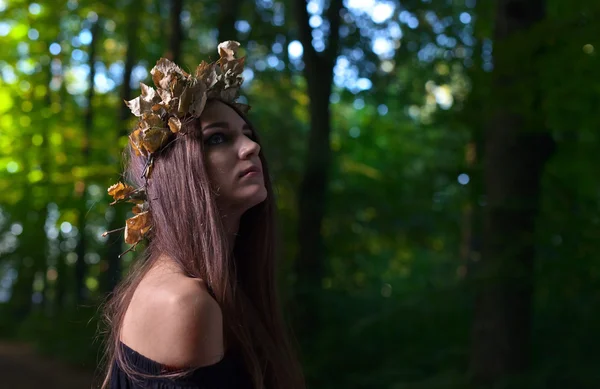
200,310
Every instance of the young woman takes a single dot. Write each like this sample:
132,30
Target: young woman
200,309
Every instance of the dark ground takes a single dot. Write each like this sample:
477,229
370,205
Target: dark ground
22,368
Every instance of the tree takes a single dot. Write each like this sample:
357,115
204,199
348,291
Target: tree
80,186
516,149
312,197
115,243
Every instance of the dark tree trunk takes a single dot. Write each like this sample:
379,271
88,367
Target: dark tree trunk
515,154
176,38
112,274
80,186
318,72
22,290
32,212
47,293
61,281
227,17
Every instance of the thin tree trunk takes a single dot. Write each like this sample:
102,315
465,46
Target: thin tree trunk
514,159
45,164
176,37
115,241
22,289
31,257
64,276
318,72
227,17
81,186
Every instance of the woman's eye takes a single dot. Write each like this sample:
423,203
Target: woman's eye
215,139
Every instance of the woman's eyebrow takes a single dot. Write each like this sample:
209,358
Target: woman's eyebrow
216,125
246,127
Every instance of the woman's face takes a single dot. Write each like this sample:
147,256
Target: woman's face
232,161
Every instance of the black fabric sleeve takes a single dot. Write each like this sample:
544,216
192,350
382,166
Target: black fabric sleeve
228,373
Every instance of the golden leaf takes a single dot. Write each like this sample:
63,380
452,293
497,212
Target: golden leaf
139,208
152,121
135,139
174,124
145,102
155,138
160,109
164,72
120,191
202,70
177,85
185,101
136,227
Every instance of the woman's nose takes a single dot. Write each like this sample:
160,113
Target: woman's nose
249,148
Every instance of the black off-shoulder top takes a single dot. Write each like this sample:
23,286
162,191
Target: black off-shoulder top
228,373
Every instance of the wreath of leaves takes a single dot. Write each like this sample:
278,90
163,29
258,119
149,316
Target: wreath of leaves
178,95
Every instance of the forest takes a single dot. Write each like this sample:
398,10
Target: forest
435,164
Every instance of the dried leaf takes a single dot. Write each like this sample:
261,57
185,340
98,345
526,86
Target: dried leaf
165,95
174,124
139,208
135,106
236,67
120,191
185,101
229,95
243,108
143,103
198,105
202,70
198,90
177,85
151,121
207,74
155,138
164,72
136,227
135,139
228,49
160,109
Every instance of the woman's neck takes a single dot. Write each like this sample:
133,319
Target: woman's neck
231,225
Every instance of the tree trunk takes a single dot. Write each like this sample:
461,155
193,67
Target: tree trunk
174,50
318,72
227,17
81,186
514,159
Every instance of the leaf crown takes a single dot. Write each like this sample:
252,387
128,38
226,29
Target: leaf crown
178,95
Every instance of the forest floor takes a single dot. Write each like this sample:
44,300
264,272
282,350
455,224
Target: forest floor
22,368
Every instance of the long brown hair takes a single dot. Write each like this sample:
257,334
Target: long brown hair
187,228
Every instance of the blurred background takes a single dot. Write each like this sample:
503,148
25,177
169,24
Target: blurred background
435,161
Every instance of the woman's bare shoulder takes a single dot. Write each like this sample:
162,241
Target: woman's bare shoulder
173,320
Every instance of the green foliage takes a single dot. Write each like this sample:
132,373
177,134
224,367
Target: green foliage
396,307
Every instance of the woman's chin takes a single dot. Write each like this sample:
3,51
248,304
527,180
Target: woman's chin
251,197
